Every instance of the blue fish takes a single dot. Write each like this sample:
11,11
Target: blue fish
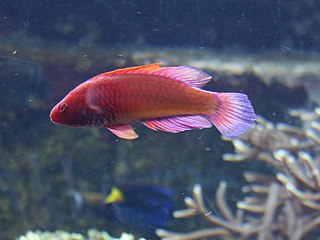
141,208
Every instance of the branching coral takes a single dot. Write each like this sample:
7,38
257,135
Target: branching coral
228,225
283,205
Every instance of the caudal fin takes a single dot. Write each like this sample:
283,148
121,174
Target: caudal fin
233,114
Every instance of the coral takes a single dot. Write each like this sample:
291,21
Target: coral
92,234
284,204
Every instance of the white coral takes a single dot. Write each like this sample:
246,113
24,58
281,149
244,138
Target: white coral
92,234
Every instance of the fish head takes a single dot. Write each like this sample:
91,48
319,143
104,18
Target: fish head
71,111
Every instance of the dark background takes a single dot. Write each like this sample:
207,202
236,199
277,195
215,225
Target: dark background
222,24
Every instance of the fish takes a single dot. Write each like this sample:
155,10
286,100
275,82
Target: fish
142,208
168,99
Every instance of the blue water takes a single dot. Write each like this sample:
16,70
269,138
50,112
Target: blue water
49,47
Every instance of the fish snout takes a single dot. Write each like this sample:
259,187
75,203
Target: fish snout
53,115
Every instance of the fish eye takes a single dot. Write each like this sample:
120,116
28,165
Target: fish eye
63,107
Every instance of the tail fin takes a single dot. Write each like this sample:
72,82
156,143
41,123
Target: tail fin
233,114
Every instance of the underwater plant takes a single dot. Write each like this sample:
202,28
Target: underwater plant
284,204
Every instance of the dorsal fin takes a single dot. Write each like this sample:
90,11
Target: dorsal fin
189,75
149,68
192,76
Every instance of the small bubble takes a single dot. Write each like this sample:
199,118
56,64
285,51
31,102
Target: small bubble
14,52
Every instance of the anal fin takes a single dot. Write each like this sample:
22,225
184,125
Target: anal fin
177,124
123,131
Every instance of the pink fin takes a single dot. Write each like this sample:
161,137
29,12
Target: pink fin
190,75
177,124
123,131
233,115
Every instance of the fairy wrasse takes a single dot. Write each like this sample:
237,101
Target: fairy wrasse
162,98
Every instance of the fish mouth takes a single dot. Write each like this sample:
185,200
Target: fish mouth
52,119
51,116
55,121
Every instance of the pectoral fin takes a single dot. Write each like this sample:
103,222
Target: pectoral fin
123,131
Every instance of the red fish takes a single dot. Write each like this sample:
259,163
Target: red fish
162,98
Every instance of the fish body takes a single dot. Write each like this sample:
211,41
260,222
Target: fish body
146,97
162,98
142,208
